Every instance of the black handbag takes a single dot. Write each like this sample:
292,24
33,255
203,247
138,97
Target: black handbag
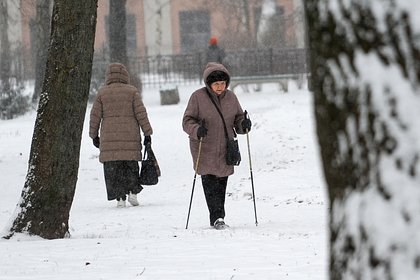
150,170
233,154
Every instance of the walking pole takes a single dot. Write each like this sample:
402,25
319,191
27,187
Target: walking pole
250,170
195,175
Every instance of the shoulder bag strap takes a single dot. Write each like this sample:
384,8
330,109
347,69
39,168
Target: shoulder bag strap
220,113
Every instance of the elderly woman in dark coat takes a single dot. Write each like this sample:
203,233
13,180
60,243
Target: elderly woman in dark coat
119,113
201,120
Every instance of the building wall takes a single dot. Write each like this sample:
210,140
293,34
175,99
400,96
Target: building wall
176,7
100,32
158,38
135,7
132,7
28,12
227,21
158,24
300,24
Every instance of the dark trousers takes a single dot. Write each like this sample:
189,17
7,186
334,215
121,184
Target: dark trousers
121,178
215,192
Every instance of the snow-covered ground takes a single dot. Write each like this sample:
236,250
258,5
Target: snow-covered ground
150,241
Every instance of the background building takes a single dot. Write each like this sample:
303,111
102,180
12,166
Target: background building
162,27
169,27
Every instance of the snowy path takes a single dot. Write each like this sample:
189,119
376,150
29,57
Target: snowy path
150,241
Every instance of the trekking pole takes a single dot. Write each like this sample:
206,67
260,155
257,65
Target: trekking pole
195,175
250,170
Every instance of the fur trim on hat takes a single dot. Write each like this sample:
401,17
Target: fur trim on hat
217,76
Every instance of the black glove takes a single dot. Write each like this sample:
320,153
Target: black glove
201,132
96,142
246,125
147,140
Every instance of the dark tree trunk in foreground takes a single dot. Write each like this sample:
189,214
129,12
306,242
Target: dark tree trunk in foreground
365,67
54,159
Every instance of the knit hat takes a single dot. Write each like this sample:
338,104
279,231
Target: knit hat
217,76
213,41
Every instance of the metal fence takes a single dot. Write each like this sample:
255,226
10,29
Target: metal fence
163,70
167,70
267,62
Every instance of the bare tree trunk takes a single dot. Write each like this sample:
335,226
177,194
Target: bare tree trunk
252,33
118,39
365,75
42,27
117,32
54,159
5,64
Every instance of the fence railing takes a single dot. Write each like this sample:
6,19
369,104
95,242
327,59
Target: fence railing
158,71
163,70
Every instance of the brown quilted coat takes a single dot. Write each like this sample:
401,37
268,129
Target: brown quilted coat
119,113
200,107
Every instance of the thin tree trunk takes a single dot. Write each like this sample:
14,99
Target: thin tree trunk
42,37
117,32
247,21
118,39
5,65
54,159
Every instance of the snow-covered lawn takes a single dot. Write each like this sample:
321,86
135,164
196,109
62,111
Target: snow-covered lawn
150,241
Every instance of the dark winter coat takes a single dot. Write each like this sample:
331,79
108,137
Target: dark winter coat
215,54
119,113
200,107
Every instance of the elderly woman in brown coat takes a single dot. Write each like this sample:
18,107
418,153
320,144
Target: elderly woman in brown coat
115,120
202,121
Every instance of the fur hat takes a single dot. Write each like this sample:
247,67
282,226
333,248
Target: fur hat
213,41
217,76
